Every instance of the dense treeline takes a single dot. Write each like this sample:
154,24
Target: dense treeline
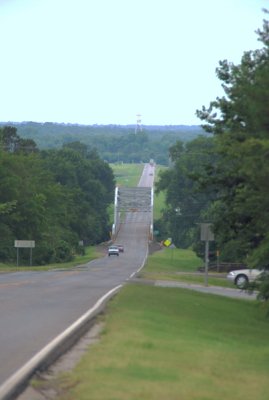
114,143
186,204
56,197
224,179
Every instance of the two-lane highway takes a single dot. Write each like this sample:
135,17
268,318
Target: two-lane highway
35,307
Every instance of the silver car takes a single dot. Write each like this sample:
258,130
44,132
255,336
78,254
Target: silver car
241,277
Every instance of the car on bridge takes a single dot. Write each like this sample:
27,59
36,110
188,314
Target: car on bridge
120,247
113,251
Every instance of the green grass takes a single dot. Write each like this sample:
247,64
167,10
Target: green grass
127,174
173,260
195,279
158,205
162,343
175,264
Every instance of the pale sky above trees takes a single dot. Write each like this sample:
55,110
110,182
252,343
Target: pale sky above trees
104,61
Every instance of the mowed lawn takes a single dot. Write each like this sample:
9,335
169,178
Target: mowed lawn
175,344
180,265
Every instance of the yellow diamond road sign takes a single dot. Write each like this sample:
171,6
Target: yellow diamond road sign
167,242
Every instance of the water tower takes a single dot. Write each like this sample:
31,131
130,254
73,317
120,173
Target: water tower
138,123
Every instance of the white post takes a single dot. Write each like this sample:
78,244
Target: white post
115,225
151,212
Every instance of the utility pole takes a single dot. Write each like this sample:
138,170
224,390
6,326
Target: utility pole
207,236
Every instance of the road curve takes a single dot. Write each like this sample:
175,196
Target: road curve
35,307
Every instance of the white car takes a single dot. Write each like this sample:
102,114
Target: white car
113,251
241,277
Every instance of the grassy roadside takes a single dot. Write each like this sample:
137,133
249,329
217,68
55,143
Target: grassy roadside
91,253
127,174
167,343
162,343
159,199
179,265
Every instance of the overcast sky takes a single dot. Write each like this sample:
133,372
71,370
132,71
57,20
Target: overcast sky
105,61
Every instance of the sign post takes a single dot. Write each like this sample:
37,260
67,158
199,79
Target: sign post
28,244
206,235
218,254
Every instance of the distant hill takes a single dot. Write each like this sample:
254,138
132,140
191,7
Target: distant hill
113,142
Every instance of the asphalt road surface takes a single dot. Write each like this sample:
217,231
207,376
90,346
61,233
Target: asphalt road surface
35,307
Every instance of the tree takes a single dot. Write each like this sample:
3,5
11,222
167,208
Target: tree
11,142
186,204
89,182
239,122
56,198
